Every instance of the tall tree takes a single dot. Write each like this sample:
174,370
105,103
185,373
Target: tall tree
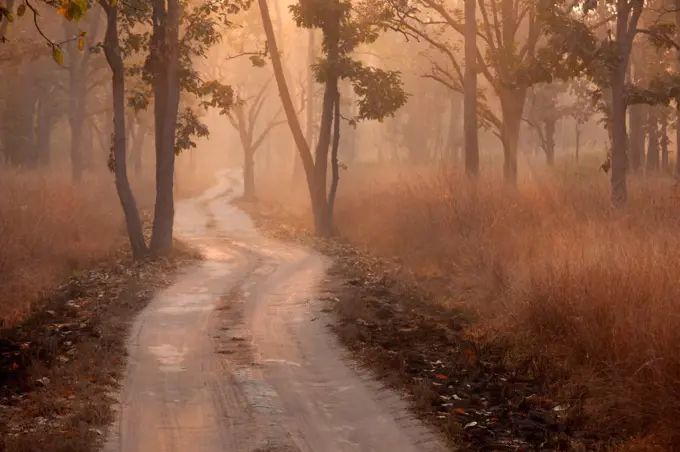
113,53
470,125
345,26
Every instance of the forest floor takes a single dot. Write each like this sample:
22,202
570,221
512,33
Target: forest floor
60,364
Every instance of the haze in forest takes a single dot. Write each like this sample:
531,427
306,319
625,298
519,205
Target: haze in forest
516,160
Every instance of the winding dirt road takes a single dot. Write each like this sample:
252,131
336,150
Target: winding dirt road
235,356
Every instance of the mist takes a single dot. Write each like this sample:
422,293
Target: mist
477,199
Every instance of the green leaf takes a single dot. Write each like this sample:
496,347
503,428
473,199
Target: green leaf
57,55
21,10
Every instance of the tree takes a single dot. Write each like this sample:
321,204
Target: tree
345,26
113,54
574,49
470,127
244,116
509,32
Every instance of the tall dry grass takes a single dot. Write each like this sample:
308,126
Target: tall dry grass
48,230
584,293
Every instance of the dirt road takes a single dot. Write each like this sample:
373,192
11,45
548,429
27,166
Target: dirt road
236,357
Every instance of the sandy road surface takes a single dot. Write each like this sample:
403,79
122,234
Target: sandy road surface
235,355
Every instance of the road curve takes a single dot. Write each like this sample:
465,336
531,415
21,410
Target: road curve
235,356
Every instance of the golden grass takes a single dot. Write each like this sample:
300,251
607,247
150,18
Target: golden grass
579,291
48,230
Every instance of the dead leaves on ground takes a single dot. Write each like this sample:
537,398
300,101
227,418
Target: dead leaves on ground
59,367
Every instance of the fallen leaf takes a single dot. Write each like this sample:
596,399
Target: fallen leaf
459,411
441,377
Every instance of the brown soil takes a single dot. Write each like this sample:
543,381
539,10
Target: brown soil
392,325
60,365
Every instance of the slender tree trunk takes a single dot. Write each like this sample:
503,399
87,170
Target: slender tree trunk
619,139
165,61
43,132
577,131
470,95
298,169
512,105
78,92
663,139
127,200
335,178
319,203
550,141
637,136
653,142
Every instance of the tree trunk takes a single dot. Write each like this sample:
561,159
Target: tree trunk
653,142
512,106
164,56
619,138
550,141
577,131
470,95
298,169
335,178
127,200
78,90
663,139
637,136
316,187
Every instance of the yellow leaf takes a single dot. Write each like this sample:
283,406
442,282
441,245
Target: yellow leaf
62,11
81,44
57,55
21,10
82,34
114,3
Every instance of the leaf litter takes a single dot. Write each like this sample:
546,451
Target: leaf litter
61,364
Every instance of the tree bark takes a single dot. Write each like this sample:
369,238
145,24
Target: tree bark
164,56
637,136
619,139
470,88
663,139
43,132
550,141
335,170
512,106
127,200
653,141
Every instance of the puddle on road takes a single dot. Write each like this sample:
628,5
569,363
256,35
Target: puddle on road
169,357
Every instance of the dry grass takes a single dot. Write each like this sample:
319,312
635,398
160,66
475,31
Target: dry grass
48,230
576,290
